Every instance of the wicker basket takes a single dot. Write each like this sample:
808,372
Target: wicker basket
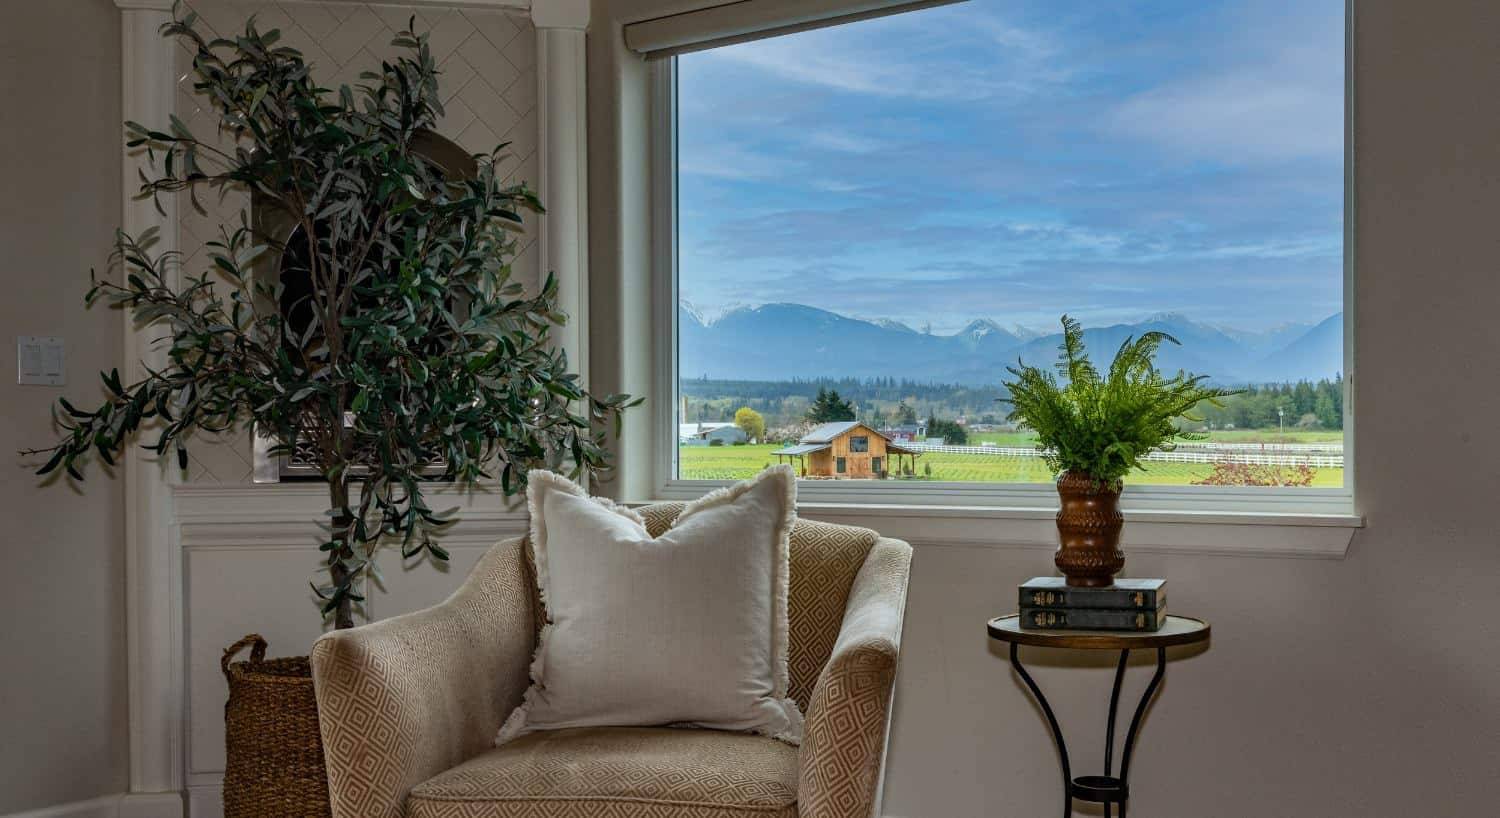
274,750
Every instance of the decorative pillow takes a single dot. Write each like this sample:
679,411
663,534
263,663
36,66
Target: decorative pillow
686,628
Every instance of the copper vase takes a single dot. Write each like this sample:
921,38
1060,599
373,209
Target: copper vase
1088,530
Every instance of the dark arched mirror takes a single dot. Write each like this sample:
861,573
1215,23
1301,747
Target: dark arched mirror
290,270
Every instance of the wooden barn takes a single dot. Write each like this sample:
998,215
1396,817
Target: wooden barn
845,450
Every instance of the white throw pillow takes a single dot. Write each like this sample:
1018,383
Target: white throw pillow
686,628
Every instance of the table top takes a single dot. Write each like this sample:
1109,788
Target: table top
1177,630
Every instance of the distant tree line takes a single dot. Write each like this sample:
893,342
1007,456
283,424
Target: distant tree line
880,402
1301,405
886,402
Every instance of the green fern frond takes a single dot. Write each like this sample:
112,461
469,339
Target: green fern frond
1103,426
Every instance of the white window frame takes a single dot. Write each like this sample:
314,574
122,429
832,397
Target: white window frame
1282,507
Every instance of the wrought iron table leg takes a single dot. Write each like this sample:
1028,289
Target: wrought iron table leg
1140,712
1097,788
1109,732
1057,736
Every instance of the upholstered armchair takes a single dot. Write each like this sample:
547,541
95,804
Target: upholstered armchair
410,706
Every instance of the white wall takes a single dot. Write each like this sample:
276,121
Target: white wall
1365,686
62,595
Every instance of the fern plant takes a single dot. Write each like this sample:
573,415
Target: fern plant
1103,424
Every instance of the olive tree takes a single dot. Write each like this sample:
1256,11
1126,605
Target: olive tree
411,355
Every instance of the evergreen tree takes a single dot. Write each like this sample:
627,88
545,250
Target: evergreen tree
829,407
951,432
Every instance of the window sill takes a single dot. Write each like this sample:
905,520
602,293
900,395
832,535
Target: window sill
257,512
1318,536
1299,523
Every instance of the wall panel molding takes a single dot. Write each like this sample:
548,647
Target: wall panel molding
247,555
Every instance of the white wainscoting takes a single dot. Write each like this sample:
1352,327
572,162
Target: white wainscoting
247,556
107,806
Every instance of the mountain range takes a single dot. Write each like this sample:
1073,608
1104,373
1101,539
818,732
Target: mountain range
774,342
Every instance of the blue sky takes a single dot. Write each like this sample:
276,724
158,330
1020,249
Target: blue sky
1012,160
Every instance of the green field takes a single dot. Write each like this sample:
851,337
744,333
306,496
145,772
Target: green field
739,462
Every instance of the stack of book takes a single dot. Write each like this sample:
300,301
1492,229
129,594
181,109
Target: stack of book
1127,605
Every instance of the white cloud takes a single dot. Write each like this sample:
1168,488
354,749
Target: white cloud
1277,94
842,69
1246,113
920,55
843,142
734,162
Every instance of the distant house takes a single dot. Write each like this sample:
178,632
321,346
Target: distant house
704,434
909,432
848,449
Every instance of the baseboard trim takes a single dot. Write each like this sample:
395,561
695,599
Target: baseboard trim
205,801
151,805
107,806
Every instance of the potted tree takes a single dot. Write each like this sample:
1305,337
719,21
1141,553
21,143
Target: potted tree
393,348
1094,430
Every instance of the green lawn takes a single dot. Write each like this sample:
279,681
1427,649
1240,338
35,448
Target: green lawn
739,462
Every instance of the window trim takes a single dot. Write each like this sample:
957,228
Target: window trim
1282,507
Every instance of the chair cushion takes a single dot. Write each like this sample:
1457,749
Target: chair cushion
621,772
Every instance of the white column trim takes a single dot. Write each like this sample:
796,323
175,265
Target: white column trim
562,122
153,593
569,14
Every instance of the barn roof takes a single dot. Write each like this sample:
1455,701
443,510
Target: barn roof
825,433
802,448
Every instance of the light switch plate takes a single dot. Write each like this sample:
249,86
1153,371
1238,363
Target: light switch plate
41,359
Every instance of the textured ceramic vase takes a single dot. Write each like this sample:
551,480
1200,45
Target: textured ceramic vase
1088,531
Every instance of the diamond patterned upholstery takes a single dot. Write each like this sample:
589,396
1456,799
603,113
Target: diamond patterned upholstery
408,706
405,698
649,772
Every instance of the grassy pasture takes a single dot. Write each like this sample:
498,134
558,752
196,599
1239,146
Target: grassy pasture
739,462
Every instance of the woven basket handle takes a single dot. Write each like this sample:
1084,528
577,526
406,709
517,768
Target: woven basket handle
257,653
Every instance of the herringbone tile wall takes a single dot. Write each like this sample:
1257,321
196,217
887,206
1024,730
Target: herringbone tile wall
488,60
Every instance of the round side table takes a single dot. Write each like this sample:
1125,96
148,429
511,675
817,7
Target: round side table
1106,789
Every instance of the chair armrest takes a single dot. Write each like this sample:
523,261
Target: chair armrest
403,699
844,738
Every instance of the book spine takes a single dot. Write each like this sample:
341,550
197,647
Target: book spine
1104,598
1091,619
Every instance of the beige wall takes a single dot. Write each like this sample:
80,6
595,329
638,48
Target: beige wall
1367,686
62,586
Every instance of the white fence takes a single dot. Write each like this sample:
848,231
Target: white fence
1221,453
1329,449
